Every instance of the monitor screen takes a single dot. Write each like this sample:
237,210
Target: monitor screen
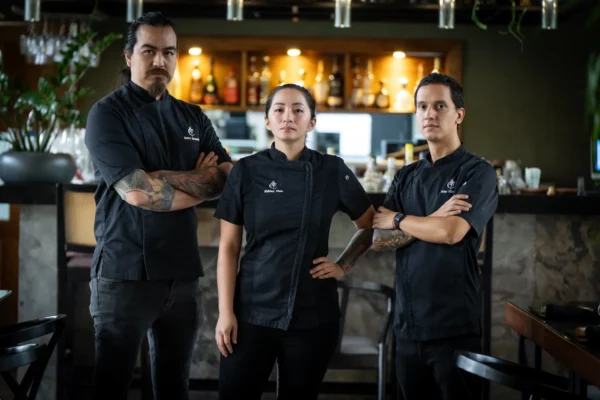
597,166
596,159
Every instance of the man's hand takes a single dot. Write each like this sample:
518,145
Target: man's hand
454,206
210,160
384,218
326,269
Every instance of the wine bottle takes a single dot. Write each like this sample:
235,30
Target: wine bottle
231,93
336,87
321,88
253,83
196,85
210,95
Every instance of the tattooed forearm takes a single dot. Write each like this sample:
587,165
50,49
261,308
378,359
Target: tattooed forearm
203,184
386,239
141,190
359,244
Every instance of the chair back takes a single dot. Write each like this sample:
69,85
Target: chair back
13,354
349,284
76,209
515,376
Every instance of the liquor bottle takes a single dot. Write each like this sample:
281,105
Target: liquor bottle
302,80
436,66
356,97
368,96
404,100
253,83
321,87
420,76
210,95
336,87
382,100
282,77
231,92
174,87
265,81
196,85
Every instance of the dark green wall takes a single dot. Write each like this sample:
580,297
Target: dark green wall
524,105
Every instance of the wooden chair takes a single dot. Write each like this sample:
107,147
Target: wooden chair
76,209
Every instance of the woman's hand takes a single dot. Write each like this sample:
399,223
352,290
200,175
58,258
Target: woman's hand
226,333
325,268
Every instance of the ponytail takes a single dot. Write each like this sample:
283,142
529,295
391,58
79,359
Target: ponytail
124,77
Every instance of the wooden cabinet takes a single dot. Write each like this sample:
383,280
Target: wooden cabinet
236,52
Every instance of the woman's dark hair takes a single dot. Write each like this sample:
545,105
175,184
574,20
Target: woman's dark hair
312,104
153,18
456,91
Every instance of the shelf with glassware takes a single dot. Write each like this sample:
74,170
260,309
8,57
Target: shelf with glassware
361,80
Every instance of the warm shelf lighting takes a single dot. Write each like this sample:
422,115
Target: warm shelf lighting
399,54
293,52
195,51
446,14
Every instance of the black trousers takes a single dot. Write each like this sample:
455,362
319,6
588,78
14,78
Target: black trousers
426,370
302,356
169,312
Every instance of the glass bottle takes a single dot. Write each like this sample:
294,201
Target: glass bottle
336,87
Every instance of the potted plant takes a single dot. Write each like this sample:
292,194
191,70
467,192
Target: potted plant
35,118
592,104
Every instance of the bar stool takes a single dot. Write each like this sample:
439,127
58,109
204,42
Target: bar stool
36,355
537,384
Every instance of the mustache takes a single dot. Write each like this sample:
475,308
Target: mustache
159,71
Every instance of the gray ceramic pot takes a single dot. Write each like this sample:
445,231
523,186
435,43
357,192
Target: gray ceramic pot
19,167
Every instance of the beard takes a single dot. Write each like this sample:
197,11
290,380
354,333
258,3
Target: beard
157,88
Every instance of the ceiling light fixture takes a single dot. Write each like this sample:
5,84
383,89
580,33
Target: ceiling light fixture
342,13
549,11
446,14
235,10
134,9
195,51
32,10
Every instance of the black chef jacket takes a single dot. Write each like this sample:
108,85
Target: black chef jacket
286,208
437,285
128,130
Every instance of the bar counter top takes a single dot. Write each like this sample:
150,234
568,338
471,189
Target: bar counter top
45,194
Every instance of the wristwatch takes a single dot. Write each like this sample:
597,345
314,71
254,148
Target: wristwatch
397,218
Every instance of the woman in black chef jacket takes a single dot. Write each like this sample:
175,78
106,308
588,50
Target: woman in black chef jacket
283,304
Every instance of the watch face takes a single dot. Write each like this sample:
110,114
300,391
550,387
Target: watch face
397,219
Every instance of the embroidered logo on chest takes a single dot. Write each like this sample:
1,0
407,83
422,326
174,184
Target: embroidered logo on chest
191,134
273,188
449,188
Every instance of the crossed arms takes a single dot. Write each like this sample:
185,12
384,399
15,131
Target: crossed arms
164,191
443,226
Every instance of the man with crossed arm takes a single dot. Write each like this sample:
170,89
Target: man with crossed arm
155,158
434,215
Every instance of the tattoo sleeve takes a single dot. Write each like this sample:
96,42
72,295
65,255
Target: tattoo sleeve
359,244
387,239
203,184
158,193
